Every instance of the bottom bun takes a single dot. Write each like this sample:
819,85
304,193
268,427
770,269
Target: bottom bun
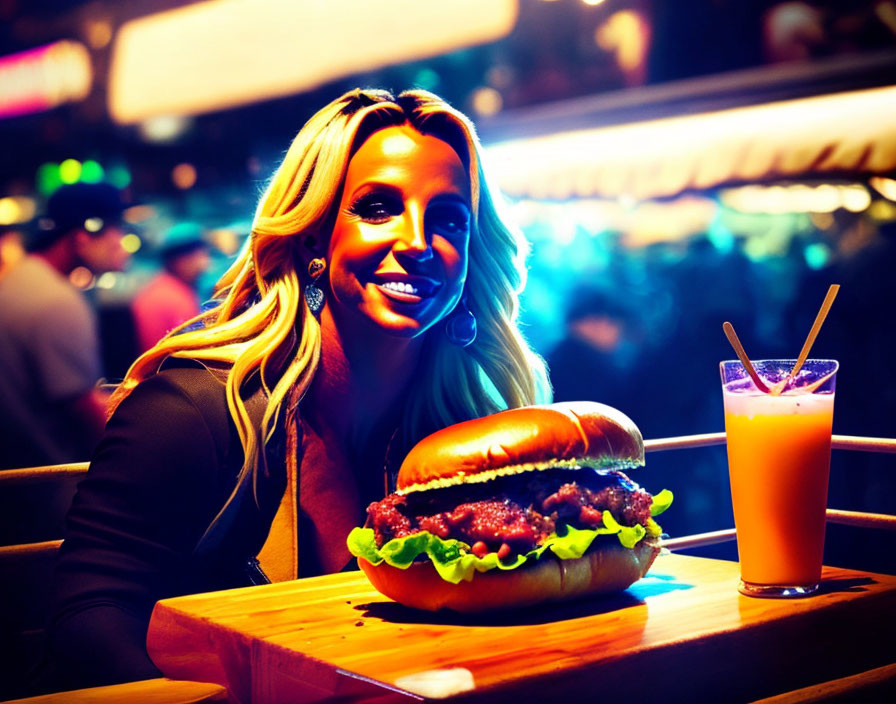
607,569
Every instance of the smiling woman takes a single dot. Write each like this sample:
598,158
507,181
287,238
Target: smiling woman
376,302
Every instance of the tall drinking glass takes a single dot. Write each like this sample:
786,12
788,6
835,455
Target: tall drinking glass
779,456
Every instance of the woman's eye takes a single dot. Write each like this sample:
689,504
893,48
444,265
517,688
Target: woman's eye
375,208
451,219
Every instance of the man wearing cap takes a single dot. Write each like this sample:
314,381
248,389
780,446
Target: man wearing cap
170,298
50,409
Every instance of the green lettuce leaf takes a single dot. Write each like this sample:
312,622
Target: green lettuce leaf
629,536
661,502
454,562
361,542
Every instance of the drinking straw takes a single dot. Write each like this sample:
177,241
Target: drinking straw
742,356
810,339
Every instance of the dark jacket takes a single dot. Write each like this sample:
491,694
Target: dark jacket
166,465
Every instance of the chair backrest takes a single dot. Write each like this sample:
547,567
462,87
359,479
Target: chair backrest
33,505
26,589
34,501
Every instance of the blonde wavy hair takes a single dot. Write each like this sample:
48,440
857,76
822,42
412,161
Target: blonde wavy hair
262,323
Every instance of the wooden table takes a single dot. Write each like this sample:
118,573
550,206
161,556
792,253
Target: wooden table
681,634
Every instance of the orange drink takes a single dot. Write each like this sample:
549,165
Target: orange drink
779,452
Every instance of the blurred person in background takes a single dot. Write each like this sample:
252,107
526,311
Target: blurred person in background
375,302
171,298
51,410
599,352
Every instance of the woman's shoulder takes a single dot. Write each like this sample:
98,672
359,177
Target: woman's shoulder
201,383
179,391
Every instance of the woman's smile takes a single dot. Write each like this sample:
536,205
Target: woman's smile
407,289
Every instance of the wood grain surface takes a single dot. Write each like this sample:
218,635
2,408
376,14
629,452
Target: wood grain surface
157,691
683,633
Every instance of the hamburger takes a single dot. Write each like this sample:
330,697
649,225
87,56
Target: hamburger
512,509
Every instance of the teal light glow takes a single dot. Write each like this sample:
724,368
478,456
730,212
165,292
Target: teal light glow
720,237
119,176
817,255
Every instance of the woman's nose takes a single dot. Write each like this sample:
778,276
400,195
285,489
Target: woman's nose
413,240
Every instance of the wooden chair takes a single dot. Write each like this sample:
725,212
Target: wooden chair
157,691
34,501
33,504
26,578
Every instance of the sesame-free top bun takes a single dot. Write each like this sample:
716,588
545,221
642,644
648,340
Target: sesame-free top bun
523,439
607,569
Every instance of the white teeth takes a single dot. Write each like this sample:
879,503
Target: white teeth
400,287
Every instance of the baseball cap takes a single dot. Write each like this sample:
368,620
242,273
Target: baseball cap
181,238
75,206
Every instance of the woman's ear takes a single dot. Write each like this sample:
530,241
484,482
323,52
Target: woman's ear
307,248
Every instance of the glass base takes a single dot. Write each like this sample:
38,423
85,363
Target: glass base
776,591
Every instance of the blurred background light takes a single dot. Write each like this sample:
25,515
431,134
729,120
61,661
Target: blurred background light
427,78
823,134
885,186
164,128
139,213
9,211
48,179
797,198
626,34
93,224
184,176
882,211
70,171
487,101
119,176
42,78
15,210
817,255
131,243
92,171
855,198
107,280
81,277
98,31
220,53
226,239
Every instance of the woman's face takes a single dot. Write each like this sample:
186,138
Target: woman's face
398,252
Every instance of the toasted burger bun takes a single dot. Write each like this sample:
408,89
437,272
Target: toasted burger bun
520,440
606,569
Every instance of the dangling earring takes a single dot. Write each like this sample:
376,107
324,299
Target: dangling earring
460,327
314,295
